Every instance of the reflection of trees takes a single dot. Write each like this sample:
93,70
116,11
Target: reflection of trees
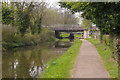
7,65
10,68
28,61
58,44
37,64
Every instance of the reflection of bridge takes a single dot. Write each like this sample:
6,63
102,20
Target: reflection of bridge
62,44
70,30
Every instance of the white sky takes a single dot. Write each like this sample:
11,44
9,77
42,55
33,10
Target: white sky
53,3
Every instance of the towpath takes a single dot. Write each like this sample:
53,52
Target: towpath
89,63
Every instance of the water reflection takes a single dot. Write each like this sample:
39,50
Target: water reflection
61,44
28,62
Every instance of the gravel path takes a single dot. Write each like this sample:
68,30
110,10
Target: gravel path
89,63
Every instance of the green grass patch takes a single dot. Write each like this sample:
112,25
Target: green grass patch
65,40
64,34
61,67
78,35
67,35
106,55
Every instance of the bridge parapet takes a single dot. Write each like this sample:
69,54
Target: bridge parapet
69,29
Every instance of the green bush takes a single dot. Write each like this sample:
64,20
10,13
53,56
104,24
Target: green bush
17,40
27,39
93,35
10,39
78,35
46,35
64,34
108,42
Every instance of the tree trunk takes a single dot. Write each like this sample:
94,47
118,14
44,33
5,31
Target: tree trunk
101,34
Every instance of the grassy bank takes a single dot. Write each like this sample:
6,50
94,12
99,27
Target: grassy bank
61,67
65,40
106,55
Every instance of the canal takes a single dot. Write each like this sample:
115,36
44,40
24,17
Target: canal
30,62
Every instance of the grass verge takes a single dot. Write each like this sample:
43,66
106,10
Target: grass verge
106,55
64,34
65,40
61,67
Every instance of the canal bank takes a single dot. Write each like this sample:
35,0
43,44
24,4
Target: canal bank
61,67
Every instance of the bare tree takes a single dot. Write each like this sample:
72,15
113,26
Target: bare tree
37,16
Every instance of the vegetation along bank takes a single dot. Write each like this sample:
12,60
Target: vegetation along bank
26,23
61,67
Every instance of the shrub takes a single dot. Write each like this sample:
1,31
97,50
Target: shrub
27,39
93,35
9,38
47,36
108,41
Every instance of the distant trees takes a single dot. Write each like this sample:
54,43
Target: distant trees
7,14
58,17
24,23
23,11
52,17
37,16
17,14
69,18
87,24
31,16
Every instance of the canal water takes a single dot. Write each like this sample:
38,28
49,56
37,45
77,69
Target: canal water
30,62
